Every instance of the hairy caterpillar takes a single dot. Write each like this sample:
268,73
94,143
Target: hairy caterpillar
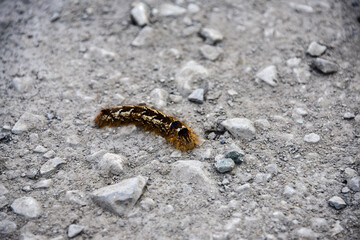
150,119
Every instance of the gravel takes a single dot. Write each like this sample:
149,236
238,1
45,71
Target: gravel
315,49
29,207
337,202
325,66
312,138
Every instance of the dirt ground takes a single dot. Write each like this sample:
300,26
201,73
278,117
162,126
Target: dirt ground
62,61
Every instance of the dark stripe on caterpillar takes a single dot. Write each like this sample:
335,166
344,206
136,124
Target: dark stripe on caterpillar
150,119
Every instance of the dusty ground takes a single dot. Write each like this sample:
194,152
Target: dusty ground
70,58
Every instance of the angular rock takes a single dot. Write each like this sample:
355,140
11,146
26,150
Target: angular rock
120,197
262,124
28,121
27,206
240,127
147,204
74,230
210,52
354,184
159,97
188,75
302,75
32,173
7,227
23,84
40,149
111,164
325,66
224,165
144,38
301,7
293,62
193,8
319,224
51,166
49,154
336,229
211,36
171,10
76,196
197,96
236,155
140,14
3,201
337,202
268,75
307,233
289,191
312,138
46,183
3,189
349,116
316,49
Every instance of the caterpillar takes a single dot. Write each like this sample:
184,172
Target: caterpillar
173,130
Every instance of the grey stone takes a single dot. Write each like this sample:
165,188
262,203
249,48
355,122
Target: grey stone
354,184
319,224
262,177
337,202
236,156
140,14
171,10
272,169
193,8
302,75
120,197
349,116
49,154
345,190
268,75
147,204
301,111
3,201
190,30
293,62
144,38
23,84
197,96
357,198
32,173
51,166
312,138
43,184
28,121
289,191
325,66
7,227
27,188
240,127
40,149
111,164
73,140
3,189
188,75
307,233
316,49
350,173
336,229
301,7
242,188
212,36
210,52
27,206
262,124
159,97
95,157
56,16
74,230
76,196
224,165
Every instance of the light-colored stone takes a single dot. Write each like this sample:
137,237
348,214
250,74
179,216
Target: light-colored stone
3,189
43,184
144,38
140,14
302,75
74,230
319,224
289,191
316,49
27,206
210,52
301,7
307,233
147,204
111,164
188,75
76,196
193,8
49,154
40,149
224,165
354,184
325,66
22,84
336,229
350,173
7,227
293,62
312,138
348,116
262,124
27,122
119,198
337,202
268,75
240,127
171,10
51,166
212,36
3,201
197,96
159,97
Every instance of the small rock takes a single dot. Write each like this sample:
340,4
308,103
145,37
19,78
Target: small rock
312,138
262,124
27,188
349,116
51,166
76,196
350,173
140,14
28,121
242,188
197,96
3,201
325,66
74,230
293,62
300,111
7,227
188,74
190,30
176,154
236,156
144,38
118,198
232,92
345,190
337,202
319,224
211,36
193,8
336,229
43,184
111,164
56,16
32,173
289,191
210,52
171,10
224,165
357,198
302,75
27,206
301,7
175,98
240,127
23,84
3,190
49,154
40,149
316,49
307,233
73,140
262,177
354,184
268,75
159,97
206,154
147,204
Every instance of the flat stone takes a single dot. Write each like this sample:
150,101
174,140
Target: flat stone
350,173
319,224
262,124
120,197
27,206
193,8
3,189
240,127
210,52
345,190
28,121
7,227
349,116
312,138
336,229
144,38
268,75
76,196
32,173
22,84
197,96
159,97
293,62
337,202
74,230
325,66
40,149
140,14
3,201
224,165
307,233
171,10
188,74
51,166
190,30
43,184
316,49
302,75
354,184
301,7
111,164
49,154
211,36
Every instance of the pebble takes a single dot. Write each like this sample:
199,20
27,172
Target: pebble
56,16
7,227
232,92
175,98
302,75
120,197
144,38
40,149
293,62
176,154
354,184
111,163
3,189
307,233
262,124
242,188
190,30
301,7
27,206
349,116
73,140
147,204
3,201
49,154
197,96
316,49
51,166
43,184
224,165
345,190
300,111
289,191
325,66
349,173
211,36
27,188
76,196
188,74
312,138
22,84
268,75
140,14
32,173
159,97
240,127
319,224
171,10
336,229
205,155
357,198
74,230
210,52
236,156
262,177
28,121
193,8
337,203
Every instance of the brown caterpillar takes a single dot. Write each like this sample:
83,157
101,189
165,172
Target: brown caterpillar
150,119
